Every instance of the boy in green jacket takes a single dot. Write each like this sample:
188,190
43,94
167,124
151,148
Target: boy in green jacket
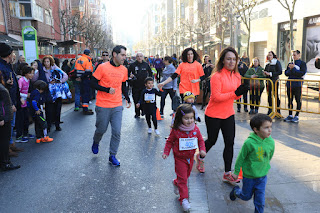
254,158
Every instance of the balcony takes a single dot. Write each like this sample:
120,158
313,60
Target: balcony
26,10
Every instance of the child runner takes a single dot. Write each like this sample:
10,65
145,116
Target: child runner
189,98
22,121
184,139
148,101
36,110
254,158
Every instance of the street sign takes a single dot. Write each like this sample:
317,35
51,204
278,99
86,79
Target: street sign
30,43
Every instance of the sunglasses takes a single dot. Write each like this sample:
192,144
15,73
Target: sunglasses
105,55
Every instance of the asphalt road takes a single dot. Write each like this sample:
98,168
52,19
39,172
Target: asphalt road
64,176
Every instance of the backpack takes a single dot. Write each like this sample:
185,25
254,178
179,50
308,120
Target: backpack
176,101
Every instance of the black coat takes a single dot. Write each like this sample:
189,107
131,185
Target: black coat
141,71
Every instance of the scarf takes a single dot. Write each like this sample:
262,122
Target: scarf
187,128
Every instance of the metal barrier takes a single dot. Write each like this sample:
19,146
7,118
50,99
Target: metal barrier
254,87
305,94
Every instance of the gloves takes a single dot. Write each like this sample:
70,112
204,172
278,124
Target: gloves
242,89
199,120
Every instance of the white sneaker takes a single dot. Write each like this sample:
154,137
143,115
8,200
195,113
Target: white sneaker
175,188
157,132
185,204
149,130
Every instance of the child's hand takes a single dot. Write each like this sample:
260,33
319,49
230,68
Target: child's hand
38,112
203,153
22,101
28,95
164,156
2,123
137,105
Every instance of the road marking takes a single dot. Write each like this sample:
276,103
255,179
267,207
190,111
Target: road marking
198,197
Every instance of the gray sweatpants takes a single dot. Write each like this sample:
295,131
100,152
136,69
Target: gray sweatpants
104,116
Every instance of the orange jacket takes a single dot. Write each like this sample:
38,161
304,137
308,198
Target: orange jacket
84,63
223,85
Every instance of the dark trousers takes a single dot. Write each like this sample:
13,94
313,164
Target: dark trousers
206,91
53,113
5,134
85,90
255,96
39,125
269,89
163,98
154,120
22,122
255,187
136,97
227,127
294,92
245,100
159,73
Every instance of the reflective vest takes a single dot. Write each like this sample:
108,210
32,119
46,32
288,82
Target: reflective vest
83,65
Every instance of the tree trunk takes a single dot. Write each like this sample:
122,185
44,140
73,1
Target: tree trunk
291,31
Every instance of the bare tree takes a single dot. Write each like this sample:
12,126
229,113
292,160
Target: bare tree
289,6
243,9
188,26
202,27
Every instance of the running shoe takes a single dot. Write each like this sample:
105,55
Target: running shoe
31,136
113,160
227,177
295,119
233,196
185,205
288,119
157,132
200,164
175,188
46,139
22,139
76,109
149,130
95,148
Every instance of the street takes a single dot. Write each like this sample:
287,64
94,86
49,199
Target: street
64,176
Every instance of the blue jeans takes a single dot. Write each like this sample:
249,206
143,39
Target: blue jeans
77,87
13,123
256,187
104,116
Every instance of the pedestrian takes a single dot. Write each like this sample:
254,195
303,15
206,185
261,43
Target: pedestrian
272,71
254,159
36,111
84,69
207,69
185,137
149,105
189,98
159,65
110,79
171,87
76,83
256,86
6,115
66,66
190,72
175,62
242,68
22,122
138,72
225,88
245,59
104,58
11,83
21,59
54,77
295,70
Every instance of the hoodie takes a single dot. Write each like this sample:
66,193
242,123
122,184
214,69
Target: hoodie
255,156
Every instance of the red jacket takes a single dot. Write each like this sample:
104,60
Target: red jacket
173,142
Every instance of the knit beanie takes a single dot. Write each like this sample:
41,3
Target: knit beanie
5,50
187,95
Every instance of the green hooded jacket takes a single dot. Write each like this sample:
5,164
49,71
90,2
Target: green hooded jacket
255,156
259,73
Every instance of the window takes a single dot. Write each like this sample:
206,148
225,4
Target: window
25,10
38,13
47,17
13,8
263,13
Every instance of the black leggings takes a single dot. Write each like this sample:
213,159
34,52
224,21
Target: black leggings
227,127
53,112
5,134
154,120
255,97
269,89
294,92
206,91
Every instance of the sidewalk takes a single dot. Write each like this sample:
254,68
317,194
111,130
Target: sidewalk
294,177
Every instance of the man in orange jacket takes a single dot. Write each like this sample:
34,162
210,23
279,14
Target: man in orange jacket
84,68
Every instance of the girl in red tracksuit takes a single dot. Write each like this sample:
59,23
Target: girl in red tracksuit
184,139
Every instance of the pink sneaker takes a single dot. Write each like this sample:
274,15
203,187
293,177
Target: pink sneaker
200,164
227,177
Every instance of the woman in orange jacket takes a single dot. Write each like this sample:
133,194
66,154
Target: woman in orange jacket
226,86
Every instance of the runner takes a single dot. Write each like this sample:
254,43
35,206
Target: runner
110,79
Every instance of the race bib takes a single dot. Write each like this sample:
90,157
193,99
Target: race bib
188,143
149,97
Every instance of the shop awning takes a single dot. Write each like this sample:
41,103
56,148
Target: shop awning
68,43
10,41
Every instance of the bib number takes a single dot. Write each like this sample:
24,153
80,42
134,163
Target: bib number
188,143
149,97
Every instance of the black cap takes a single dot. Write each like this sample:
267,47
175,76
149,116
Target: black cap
5,50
